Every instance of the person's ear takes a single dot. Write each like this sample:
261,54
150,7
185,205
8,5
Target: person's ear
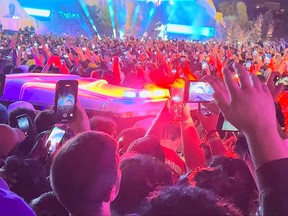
111,195
116,187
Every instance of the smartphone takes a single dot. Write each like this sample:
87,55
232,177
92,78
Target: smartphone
227,126
55,137
204,110
283,80
248,65
65,100
176,97
197,92
224,126
268,58
2,83
266,74
28,50
204,65
23,123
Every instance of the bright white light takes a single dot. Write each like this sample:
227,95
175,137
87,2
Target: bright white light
38,12
129,94
183,29
145,94
158,94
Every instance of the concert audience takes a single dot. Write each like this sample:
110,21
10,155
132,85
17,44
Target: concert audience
85,174
141,175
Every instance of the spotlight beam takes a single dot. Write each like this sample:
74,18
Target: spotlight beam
112,16
87,14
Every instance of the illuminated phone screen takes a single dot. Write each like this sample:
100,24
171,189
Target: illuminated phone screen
55,138
227,126
177,102
66,96
23,123
196,92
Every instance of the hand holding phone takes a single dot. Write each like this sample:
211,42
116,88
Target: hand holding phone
55,137
23,122
248,65
204,65
197,91
283,80
65,100
204,110
268,58
176,97
208,122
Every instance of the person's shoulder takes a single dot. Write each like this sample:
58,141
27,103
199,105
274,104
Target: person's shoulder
12,204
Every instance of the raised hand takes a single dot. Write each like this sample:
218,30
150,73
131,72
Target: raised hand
81,122
250,107
274,89
247,106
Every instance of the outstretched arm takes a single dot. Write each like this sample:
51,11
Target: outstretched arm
250,108
193,154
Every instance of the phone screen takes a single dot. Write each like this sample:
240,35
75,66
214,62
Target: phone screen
204,65
224,126
198,91
204,110
23,124
268,58
28,50
266,74
176,97
283,80
248,65
2,83
65,100
55,138
227,126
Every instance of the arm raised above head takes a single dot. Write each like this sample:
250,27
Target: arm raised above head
250,107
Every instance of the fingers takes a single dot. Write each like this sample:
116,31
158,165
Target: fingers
200,116
220,95
256,82
230,83
244,78
79,110
216,83
47,146
272,77
221,101
186,111
280,88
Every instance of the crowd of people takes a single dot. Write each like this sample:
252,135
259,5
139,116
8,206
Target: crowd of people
161,165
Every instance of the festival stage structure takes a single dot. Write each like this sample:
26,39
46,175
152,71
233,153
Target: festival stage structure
189,19
94,95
